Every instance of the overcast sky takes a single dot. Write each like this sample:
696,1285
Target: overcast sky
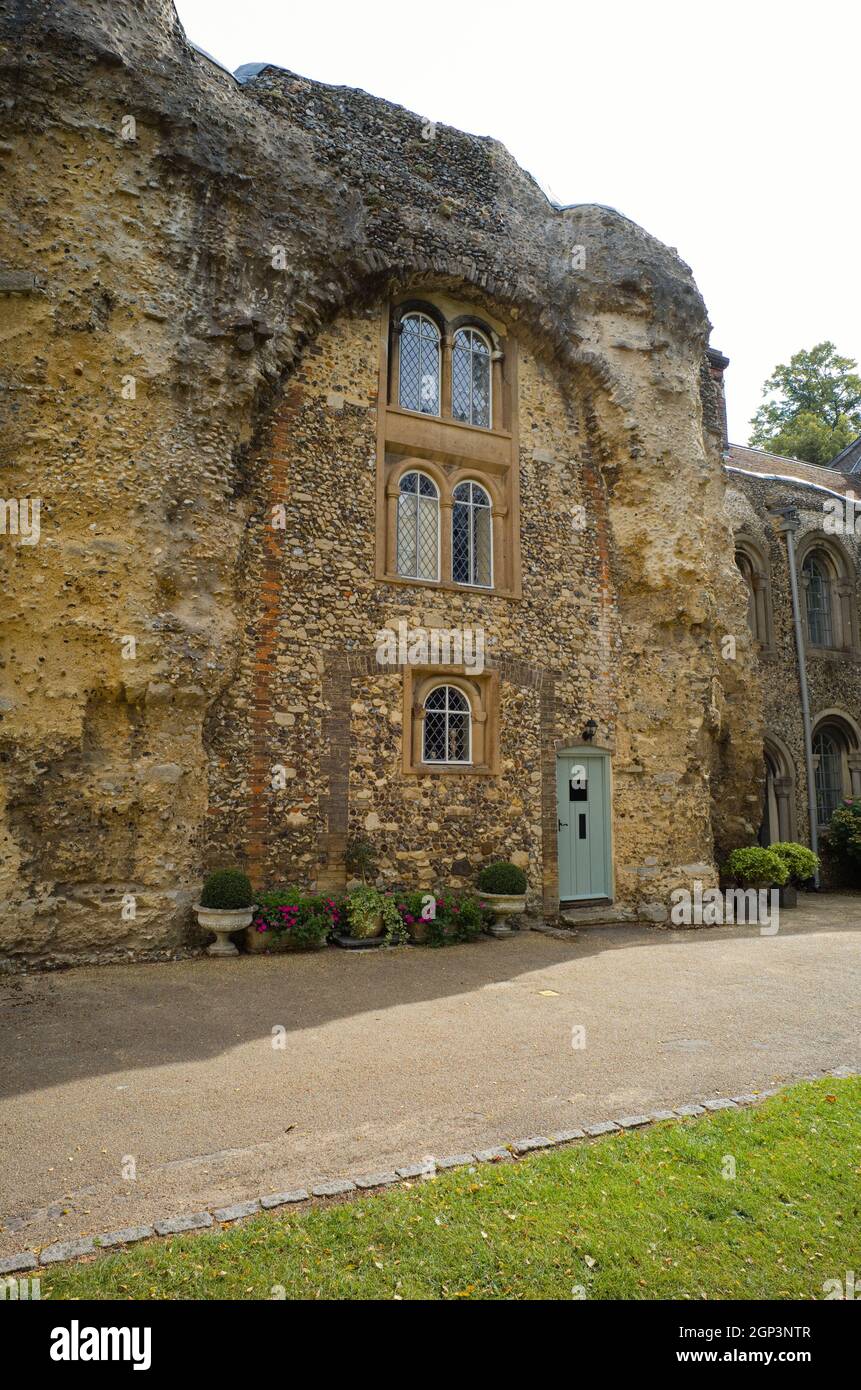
729,130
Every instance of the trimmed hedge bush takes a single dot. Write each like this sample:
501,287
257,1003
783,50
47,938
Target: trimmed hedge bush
502,878
756,865
800,861
227,890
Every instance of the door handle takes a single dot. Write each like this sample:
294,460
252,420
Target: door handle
560,823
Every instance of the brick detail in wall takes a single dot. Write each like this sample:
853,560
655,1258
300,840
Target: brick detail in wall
263,745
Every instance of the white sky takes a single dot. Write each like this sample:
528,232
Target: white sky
730,130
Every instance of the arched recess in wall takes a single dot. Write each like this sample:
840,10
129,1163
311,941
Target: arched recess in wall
836,761
826,579
778,819
755,570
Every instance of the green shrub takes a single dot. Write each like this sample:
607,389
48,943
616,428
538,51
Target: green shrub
502,878
800,861
842,839
227,889
756,865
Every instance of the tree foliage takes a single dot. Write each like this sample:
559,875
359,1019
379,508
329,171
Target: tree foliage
812,406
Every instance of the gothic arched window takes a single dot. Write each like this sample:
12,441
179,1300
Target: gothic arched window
418,527
470,377
418,387
818,578
447,736
471,536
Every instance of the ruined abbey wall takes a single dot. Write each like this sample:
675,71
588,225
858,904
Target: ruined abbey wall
190,274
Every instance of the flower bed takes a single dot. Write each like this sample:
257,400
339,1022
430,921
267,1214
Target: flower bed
287,919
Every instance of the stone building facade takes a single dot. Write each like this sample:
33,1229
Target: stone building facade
766,496
304,385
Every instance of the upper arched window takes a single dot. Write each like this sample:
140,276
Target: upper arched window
470,377
471,536
418,386
447,736
818,577
418,527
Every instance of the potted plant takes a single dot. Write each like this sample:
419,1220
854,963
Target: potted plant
288,920
226,905
503,889
754,867
801,864
842,844
365,915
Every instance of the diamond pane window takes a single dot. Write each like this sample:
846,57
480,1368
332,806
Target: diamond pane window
447,726
418,527
828,777
470,378
818,601
418,388
471,536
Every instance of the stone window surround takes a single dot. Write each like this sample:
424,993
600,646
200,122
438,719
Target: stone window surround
482,692
783,781
445,480
447,328
450,451
844,618
763,627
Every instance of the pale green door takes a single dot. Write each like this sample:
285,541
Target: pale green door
583,819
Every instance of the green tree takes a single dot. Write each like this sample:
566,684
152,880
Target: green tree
812,407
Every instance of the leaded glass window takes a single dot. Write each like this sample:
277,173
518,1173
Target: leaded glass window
818,601
419,364
828,777
471,536
418,527
470,377
447,726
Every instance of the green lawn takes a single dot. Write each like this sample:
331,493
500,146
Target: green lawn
645,1215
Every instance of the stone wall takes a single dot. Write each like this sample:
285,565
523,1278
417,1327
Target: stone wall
183,260
834,679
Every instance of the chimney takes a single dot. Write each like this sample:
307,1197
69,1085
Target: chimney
715,417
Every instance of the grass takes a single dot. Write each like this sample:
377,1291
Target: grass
641,1215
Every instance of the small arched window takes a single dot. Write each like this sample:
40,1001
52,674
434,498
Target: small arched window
418,527
447,735
470,377
471,536
829,748
418,387
745,566
816,571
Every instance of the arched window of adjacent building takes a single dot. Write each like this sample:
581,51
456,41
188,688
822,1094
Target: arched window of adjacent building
419,356
745,566
447,735
778,821
818,575
829,748
471,536
470,378
418,527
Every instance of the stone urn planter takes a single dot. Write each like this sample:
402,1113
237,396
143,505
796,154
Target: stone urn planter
226,906
505,906
789,896
223,921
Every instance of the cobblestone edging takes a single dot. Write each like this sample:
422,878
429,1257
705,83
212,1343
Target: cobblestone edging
338,1187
